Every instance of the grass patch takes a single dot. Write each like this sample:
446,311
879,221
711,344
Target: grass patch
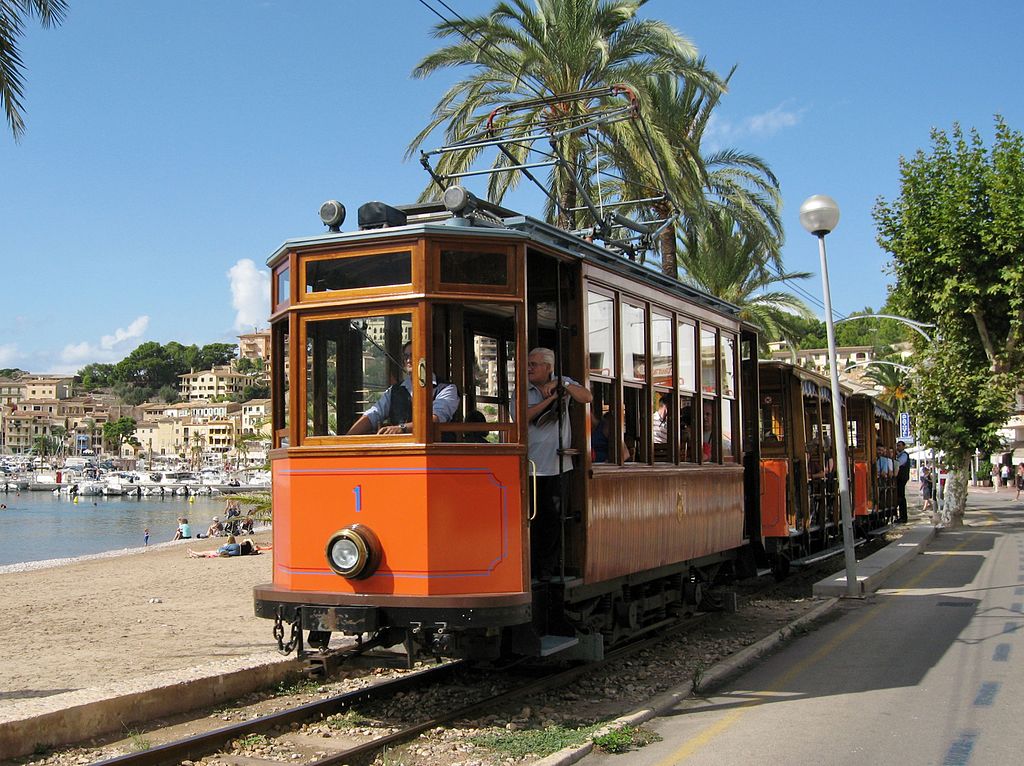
539,742
625,739
299,686
250,741
350,719
138,742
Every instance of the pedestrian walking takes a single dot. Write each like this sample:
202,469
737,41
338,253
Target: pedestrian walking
995,478
1019,480
145,537
1004,474
902,477
926,490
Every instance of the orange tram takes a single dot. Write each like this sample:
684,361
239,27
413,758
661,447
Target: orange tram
419,532
800,512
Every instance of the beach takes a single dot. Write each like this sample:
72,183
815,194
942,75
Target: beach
82,623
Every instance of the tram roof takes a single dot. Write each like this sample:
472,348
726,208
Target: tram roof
431,218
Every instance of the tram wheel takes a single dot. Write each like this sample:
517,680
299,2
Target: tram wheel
780,568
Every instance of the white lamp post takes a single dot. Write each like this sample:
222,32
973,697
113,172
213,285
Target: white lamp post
820,215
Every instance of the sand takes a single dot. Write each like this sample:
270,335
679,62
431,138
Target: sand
86,623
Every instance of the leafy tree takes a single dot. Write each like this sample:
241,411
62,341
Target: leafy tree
168,394
119,432
956,234
96,375
13,15
893,381
12,372
522,50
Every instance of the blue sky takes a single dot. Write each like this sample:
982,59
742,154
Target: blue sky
171,147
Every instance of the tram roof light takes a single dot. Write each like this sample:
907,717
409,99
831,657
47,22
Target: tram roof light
332,213
459,201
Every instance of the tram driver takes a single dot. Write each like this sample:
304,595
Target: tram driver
392,413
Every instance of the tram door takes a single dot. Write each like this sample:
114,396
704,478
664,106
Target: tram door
554,320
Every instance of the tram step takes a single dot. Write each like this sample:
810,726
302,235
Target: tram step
553,644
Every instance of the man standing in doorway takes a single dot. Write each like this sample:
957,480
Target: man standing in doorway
542,400
902,477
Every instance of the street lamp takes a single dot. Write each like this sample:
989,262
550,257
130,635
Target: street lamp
820,215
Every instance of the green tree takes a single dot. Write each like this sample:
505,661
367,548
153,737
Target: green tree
119,432
956,235
729,264
548,48
13,16
12,372
893,382
96,375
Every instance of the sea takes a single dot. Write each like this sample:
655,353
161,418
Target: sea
39,526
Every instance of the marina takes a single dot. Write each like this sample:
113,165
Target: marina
39,526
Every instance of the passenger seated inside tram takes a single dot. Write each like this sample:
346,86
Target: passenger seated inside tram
600,438
475,437
812,454
392,414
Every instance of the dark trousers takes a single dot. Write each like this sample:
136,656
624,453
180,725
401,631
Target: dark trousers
901,497
546,527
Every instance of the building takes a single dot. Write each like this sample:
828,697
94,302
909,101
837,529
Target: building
213,384
255,345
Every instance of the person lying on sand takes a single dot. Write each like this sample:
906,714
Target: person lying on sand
230,548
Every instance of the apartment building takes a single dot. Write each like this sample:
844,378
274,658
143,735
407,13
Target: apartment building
212,384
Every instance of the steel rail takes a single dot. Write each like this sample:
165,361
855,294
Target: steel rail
200,745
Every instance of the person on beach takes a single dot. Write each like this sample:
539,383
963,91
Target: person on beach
145,537
184,530
230,548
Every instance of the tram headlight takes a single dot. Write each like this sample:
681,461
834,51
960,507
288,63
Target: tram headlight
354,552
459,201
332,213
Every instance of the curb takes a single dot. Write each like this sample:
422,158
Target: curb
665,701
103,710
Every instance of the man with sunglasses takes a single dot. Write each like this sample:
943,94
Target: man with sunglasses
392,414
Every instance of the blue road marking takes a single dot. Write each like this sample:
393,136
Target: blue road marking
1016,607
986,694
959,753
1002,653
1011,627
1018,591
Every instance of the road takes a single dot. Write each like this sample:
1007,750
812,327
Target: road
929,670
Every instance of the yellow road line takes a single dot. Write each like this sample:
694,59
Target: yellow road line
697,742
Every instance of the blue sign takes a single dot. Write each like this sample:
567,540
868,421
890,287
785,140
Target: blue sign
905,426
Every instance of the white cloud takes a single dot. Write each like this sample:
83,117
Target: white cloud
8,353
109,349
135,330
722,133
250,294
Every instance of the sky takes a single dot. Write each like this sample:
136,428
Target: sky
172,147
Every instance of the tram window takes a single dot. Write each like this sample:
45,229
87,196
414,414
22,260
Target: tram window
687,433
708,356
687,368
604,448
661,350
358,272
600,310
281,410
468,267
773,424
350,364
728,365
853,438
636,424
663,427
284,281
710,443
634,342
729,436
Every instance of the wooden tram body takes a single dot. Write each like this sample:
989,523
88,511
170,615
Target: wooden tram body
439,513
800,512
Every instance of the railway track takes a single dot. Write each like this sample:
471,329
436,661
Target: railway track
220,740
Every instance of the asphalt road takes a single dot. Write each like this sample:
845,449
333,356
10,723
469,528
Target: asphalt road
929,670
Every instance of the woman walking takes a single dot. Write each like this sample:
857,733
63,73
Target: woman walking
1019,480
926,490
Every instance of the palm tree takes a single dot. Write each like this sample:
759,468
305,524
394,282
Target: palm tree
893,382
551,48
13,15
738,183
727,262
